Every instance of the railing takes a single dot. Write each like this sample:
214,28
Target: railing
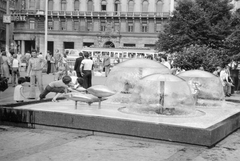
92,14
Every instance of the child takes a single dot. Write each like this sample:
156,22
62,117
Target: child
15,69
18,91
79,85
60,86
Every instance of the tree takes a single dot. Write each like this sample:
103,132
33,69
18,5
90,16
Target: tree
232,42
196,56
196,22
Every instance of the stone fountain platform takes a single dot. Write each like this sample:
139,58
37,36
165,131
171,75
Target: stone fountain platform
207,129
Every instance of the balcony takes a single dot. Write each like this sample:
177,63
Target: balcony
84,14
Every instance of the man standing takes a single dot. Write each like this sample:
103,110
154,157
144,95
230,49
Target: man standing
77,64
106,64
86,68
35,68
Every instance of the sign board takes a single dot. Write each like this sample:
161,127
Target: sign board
6,19
18,18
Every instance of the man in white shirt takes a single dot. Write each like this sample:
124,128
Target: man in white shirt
86,68
226,80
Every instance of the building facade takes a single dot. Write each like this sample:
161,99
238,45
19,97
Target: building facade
2,25
95,23
3,11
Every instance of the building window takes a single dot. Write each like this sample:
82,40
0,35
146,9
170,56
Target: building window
50,5
76,25
159,6
159,26
152,46
145,6
68,45
63,25
32,4
50,25
88,44
32,24
89,25
117,6
23,5
103,26
144,26
130,25
116,26
104,5
129,45
131,6
63,5
90,5
76,5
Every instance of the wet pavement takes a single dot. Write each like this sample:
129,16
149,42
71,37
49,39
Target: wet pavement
53,144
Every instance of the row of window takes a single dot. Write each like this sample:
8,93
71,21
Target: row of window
105,26
104,4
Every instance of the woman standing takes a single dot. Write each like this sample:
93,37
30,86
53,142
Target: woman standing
5,65
52,64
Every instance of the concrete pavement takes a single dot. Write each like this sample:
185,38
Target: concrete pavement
18,144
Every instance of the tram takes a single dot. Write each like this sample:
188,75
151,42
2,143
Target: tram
122,53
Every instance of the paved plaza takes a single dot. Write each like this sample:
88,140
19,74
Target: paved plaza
59,144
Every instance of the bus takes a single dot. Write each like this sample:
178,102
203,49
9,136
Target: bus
122,53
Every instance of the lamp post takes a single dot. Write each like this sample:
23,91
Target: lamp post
7,27
46,27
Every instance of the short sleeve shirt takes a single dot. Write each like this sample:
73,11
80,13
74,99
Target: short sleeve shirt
87,64
57,84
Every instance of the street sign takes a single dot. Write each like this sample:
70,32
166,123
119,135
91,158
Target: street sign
6,19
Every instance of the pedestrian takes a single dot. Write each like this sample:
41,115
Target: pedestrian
27,57
40,55
18,95
58,58
86,68
48,58
217,71
35,72
116,60
78,63
15,69
52,64
59,87
5,66
226,80
165,62
106,64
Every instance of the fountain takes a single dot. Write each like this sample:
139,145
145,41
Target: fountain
144,100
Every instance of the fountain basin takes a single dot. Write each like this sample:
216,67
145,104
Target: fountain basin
206,130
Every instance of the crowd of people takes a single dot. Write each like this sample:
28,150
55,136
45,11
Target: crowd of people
65,77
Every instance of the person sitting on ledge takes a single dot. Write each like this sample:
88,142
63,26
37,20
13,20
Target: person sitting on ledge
18,90
59,87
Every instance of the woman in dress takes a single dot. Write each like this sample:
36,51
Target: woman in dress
5,65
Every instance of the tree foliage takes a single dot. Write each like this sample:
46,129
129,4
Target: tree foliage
199,25
195,56
197,22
